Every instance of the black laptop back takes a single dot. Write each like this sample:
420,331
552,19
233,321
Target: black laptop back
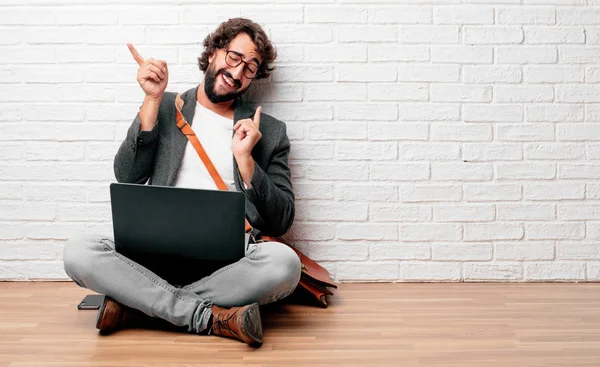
166,228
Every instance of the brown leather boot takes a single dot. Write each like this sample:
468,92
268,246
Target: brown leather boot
242,323
113,316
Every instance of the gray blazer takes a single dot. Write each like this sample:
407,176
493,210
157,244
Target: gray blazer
155,156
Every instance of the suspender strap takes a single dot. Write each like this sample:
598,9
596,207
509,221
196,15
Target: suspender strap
187,131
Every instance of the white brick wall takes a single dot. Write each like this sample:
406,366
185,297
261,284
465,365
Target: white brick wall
431,141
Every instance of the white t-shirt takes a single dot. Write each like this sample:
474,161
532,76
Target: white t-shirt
215,133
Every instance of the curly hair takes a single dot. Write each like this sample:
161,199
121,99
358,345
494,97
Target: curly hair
227,31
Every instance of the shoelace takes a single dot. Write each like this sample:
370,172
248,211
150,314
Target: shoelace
222,324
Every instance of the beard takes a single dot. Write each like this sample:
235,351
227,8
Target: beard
210,78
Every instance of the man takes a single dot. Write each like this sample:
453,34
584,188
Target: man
254,162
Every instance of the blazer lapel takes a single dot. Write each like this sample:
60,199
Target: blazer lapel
178,139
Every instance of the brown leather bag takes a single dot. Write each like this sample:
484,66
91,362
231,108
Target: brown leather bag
315,279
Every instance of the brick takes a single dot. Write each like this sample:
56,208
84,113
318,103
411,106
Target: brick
491,192
493,231
592,75
399,172
578,171
67,54
574,16
521,212
578,211
53,192
371,271
462,54
592,191
334,14
466,93
429,152
578,93
577,251
429,34
87,93
335,53
10,112
428,73
555,271
149,16
87,212
529,250
172,36
212,15
369,231
95,193
525,132
299,112
430,193
554,151
401,15
525,15
367,112
309,190
54,231
554,74
578,54
554,113
366,151
593,270
431,271
464,213
463,14
361,192
492,113
554,231
11,190
27,15
28,171
398,131
303,74
492,35
12,151
266,15
313,231
399,213
336,252
429,112
553,191
525,171
526,55
430,232
54,151
369,33
24,211
461,132
87,171
330,211
577,132
87,16
399,251
87,131
28,55
335,92
401,92
476,152
553,35
492,74
11,231
308,151
332,130
30,251
366,73
511,94
388,53
321,171
461,251
493,271
462,171
301,34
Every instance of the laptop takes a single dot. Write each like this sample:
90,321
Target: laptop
178,233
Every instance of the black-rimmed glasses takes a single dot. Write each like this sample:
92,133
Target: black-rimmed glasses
233,59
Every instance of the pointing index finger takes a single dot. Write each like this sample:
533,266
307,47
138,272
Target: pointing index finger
256,118
136,55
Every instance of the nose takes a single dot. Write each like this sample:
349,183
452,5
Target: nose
237,72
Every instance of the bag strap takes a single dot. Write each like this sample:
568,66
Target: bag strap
186,129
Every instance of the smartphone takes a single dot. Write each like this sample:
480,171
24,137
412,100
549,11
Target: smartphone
91,302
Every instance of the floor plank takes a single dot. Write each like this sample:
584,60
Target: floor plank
407,324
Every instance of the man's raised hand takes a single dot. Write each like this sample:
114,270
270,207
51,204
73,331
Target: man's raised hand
152,75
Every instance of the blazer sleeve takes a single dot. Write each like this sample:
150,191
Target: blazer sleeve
271,189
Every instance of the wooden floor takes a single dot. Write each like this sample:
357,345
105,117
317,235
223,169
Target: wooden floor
448,324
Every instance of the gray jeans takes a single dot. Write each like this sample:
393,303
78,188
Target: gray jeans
269,272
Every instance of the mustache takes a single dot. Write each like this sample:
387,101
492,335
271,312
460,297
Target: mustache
236,82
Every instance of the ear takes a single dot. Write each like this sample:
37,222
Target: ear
212,56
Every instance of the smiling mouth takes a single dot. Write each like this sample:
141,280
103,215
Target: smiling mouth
229,82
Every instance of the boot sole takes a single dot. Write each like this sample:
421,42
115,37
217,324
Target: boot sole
252,325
